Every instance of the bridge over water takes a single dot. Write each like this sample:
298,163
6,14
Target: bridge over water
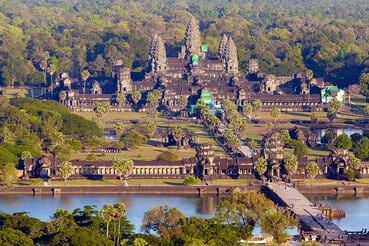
314,225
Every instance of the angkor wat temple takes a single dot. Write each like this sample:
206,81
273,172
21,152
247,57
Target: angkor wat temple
205,165
191,73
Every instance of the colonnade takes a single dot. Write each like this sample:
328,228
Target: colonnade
160,170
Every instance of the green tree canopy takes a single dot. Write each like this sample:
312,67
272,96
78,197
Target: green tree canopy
290,164
243,209
66,170
261,166
133,138
311,169
123,167
162,220
299,148
168,156
343,141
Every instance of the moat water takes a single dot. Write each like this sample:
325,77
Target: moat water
43,206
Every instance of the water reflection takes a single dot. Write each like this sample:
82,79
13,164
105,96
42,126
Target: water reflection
43,206
207,205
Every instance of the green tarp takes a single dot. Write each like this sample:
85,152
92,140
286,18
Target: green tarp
195,59
206,97
204,48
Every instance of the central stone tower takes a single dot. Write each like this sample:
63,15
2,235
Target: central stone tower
192,44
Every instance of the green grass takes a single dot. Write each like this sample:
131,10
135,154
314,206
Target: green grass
111,116
138,182
317,152
145,152
322,182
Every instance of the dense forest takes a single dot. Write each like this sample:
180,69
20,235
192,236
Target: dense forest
39,38
33,126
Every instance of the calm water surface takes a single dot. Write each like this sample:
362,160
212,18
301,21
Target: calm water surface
356,208
43,206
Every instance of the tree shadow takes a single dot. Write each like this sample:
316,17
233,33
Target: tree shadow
173,183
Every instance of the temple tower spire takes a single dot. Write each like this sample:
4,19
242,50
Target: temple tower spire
222,47
192,44
157,55
230,57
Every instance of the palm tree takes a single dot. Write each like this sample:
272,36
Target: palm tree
311,169
26,155
150,127
62,96
51,71
119,129
290,164
276,114
121,98
257,105
136,97
66,170
84,75
107,213
43,66
333,108
261,166
153,98
123,167
100,108
177,134
247,110
120,209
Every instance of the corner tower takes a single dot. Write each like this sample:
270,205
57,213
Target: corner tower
157,55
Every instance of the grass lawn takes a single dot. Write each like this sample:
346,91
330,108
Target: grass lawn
139,182
319,182
111,116
317,152
254,131
144,152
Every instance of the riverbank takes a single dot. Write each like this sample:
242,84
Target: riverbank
342,189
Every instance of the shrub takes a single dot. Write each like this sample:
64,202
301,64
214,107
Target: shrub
91,157
35,181
168,156
190,180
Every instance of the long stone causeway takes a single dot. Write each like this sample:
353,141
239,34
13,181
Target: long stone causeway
313,224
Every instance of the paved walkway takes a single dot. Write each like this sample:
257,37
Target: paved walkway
309,215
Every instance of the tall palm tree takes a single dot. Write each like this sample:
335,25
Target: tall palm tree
119,129
43,66
136,96
177,134
311,170
84,75
276,114
107,213
120,211
51,71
